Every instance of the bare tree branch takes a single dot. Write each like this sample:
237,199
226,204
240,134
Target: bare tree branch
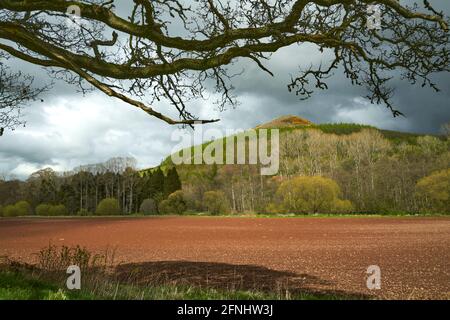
144,58
16,90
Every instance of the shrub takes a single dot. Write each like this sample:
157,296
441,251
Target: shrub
215,202
343,206
434,191
175,203
148,207
24,208
1,210
11,211
21,208
58,210
310,195
108,207
43,209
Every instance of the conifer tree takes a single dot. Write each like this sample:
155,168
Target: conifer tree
172,182
157,182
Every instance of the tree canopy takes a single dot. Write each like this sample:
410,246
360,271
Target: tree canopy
140,58
311,195
434,190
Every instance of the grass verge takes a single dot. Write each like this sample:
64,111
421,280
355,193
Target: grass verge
15,285
101,281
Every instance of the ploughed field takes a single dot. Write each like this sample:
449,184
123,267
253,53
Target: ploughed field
285,255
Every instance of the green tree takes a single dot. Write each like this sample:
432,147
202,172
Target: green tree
174,204
311,195
159,198
156,182
172,182
108,207
68,197
434,190
146,187
215,202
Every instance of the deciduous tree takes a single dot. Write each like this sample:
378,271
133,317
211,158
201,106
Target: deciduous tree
128,55
435,191
311,195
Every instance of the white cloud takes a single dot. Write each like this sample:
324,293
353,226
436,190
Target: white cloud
70,131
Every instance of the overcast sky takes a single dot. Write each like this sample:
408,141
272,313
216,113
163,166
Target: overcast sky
69,129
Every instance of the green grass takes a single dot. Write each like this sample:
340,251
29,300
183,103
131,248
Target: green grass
244,215
312,216
18,286
22,285
342,128
101,280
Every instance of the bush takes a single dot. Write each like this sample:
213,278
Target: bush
43,209
174,204
108,207
215,202
58,210
10,211
1,210
310,195
343,206
24,208
21,208
148,207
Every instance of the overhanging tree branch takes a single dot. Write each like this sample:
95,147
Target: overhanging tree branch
144,55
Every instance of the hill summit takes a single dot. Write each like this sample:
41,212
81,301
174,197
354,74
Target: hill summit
285,122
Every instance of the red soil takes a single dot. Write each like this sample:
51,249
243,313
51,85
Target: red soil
314,254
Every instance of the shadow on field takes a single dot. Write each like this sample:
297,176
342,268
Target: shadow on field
227,277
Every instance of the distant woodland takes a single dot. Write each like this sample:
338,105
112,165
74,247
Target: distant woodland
323,169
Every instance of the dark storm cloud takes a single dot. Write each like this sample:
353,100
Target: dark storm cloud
425,110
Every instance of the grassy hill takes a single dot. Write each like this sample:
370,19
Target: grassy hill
288,124
377,170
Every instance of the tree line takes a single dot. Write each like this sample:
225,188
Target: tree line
81,192
377,172
363,170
